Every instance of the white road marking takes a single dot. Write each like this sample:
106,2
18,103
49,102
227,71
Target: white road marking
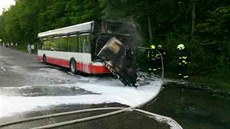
3,69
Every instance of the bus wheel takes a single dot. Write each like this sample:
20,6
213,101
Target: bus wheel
73,66
44,59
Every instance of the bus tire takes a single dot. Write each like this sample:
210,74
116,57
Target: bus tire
44,59
73,66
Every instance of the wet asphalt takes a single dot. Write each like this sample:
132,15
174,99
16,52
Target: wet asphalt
190,108
19,69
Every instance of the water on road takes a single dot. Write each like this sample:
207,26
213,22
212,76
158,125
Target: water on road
193,109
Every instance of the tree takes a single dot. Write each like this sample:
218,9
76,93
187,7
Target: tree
214,35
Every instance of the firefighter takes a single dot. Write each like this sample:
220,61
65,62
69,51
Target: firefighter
151,55
130,66
159,57
129,57
184,60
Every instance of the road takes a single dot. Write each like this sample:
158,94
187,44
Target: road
29,88
20,69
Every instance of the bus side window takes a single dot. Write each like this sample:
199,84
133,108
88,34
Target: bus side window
63,43
80,43
73,43
77,44
46,45
40,44
84,44
54,45
70,44
87,45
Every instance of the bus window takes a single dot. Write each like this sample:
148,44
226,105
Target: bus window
80,43
86,44
77,44
72,43
46,45
53,46
63,43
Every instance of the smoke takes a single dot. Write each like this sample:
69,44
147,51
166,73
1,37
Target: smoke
127,31
117,10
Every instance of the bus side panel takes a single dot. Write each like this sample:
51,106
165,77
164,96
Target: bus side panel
40,55
83,67
40,58
64,63
92,68
85,64
98,68
52,60
63,59
83,60
51,56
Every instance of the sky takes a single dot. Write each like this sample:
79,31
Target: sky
5,4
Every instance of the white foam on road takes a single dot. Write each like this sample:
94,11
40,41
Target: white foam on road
3,69
126,95
108,92
11,105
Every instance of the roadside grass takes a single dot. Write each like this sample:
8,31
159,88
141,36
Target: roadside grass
24,49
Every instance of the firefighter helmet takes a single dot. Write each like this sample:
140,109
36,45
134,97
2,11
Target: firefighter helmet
180,46
152,46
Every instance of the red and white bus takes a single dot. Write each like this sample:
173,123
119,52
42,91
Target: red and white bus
76,46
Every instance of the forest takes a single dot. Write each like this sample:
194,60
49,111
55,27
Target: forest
202,25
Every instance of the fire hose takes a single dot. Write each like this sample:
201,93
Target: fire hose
173,124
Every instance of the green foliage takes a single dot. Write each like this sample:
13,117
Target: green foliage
63,13
215,40
22,22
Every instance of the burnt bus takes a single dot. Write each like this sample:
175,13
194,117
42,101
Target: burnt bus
95,47
114,45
